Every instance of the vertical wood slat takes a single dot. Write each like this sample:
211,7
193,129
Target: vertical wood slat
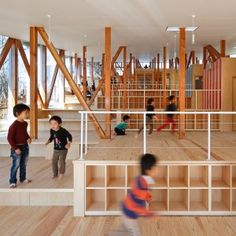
108,80
124,80
164,75
182,82
84,72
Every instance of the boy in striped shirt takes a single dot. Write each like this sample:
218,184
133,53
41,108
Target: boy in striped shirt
136,203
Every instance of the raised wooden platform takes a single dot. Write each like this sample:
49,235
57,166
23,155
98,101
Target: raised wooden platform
167,147
52,221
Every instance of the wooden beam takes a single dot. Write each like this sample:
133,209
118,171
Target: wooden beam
117,54
124,80
54,78
33,82
27,68
6,50
80,69
222,48
103,73
193,58
70,80
182,57
13,83
164,77
44,72
108,80
76,68
99,87
84,73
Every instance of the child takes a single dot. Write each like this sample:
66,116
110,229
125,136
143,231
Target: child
149,117
169,117
120,128
19,140
62,142
136,202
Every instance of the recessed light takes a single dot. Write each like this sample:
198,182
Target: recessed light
176,28
193,16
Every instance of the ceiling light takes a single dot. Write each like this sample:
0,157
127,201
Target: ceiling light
176,28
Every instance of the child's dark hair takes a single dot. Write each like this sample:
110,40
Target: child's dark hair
19,108
126,117
147,162
150,101
171,98
57,119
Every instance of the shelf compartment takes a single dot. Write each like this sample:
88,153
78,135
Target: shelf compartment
95,200
95,176
159,200
220,176
133,172
161,177
198,176
234,176
114,199
220,199
234,200
116,176
198,200
178,199
178,176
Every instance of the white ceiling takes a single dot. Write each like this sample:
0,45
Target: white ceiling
139,24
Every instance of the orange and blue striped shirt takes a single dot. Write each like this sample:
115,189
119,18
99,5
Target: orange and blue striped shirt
135,202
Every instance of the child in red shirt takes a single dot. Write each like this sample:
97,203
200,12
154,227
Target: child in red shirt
19,139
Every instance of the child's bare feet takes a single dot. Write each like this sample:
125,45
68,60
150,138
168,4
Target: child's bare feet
26,181
54,177
61,176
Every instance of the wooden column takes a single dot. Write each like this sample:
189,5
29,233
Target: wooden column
62,97
84,73
80,69
108,80
33,83
222,48
124,80
182,65
158,67
164,76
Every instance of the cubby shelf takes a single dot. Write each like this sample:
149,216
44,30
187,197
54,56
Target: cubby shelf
220,199
114,199
95,200
198,200
178,200
178,176
188,188
116,176
95,176
198,176
220,176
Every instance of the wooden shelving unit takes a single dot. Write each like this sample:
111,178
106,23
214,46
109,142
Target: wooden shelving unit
181,188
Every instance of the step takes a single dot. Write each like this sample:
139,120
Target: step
36,197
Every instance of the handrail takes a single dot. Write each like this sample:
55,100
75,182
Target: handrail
84,132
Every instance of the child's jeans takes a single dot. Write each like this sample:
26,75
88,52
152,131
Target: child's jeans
128,226
19,161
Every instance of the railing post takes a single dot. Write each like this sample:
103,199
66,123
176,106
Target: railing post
144,134
86,133
209,137
81,135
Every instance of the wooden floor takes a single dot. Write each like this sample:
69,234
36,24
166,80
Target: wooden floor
166,146
40,171
55,221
